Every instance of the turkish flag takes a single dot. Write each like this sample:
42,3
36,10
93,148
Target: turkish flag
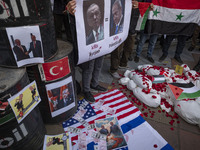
57,69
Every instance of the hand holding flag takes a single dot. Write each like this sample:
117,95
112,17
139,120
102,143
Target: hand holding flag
134,4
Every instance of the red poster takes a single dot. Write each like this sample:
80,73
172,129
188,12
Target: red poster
55,70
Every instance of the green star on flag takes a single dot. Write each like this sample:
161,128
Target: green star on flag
179,16
156,12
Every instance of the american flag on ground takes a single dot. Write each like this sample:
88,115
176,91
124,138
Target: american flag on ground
138,133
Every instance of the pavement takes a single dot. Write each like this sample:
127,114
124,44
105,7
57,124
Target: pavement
176,131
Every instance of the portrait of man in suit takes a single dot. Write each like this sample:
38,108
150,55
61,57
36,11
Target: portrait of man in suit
35,47
117,17
20,51
94,21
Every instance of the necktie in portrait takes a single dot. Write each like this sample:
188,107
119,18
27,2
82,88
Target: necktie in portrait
34,44
116,29
97,36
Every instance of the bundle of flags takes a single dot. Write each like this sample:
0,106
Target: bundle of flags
137,132
173,17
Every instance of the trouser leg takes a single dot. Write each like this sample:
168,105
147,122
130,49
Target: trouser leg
152,42
115,58
167,43
143,38
128,49
195,36
96,72
87,69
180,45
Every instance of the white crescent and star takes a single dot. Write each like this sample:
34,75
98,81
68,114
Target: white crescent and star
53,73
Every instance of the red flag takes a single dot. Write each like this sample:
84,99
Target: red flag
143,7
55,70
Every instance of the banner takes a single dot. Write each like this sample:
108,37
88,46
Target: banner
102,25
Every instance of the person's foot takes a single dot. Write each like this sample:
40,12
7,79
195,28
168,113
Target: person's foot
98,88
162,57
123,67
136,59
191,48
89,97
178,59
130,58
150,59
115,75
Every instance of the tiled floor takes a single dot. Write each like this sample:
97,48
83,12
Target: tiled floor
181,135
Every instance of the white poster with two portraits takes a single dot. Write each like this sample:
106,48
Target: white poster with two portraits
26,44
102,25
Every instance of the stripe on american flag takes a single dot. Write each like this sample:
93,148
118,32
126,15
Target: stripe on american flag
116,100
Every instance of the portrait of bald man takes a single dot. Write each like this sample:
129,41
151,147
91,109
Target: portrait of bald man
94,23
117,17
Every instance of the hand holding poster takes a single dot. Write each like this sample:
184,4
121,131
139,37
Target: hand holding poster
105,24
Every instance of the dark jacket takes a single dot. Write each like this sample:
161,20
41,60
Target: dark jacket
19,53
59,6
37,51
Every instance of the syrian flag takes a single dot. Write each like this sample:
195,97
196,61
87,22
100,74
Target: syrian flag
144,12
137,132
184,90
51,71
173,17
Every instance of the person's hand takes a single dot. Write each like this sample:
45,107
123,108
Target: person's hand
70,7
26,53
134,4
151,6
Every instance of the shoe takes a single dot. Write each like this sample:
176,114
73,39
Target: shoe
89,97
178,59
197,67
191,48
115,75
136,59
99,88
130,58
162,57
150,59
123,67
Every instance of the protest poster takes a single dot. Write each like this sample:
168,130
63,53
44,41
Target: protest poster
59,142
25,101
110,127
61,96
101,25
26,44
